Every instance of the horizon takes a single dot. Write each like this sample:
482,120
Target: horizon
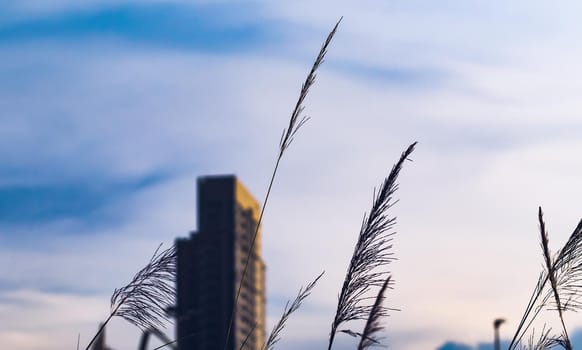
111,110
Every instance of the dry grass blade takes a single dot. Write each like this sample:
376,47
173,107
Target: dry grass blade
374,325
274,337
145,299
295,123
372,251
550,271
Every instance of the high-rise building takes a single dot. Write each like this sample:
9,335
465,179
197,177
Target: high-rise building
99,343
210,266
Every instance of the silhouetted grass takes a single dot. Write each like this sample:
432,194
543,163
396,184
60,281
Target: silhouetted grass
374,324
550,271
144,301
371,252
274,337
296,121
564,274
545,340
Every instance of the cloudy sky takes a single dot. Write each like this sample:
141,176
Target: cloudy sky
109,110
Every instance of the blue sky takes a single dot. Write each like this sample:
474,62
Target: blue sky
110,110
208,27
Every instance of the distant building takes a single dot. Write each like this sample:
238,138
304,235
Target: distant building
210,266
99,343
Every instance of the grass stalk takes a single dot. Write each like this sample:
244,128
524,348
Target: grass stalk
564,274
372,251
296,121
550,270
373,325
274,337
143,302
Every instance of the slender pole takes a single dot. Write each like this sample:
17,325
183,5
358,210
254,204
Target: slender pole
496,325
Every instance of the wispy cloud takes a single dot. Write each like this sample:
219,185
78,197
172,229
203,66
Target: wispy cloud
110,111
38,204
208,27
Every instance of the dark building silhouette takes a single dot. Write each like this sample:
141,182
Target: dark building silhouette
210,266
99,343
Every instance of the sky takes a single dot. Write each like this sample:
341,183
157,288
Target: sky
110,110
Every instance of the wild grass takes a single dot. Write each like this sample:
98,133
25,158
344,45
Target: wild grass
145,300
374,325
296,121
559,288
274,337
371,252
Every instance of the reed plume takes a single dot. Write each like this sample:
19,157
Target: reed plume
568,270
542,342
371,252
144,301
564,274
550,271
296,121
374,325
274,337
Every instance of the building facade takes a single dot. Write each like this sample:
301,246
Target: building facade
210,267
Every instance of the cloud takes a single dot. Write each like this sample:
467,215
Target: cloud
402,77
36,204
62,321
93,124
207,27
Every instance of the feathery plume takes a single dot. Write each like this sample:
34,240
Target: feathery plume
295,123
143,302
568,272
297,120
372,251
543,342
550,271
145,299
274,337
565,290
373,325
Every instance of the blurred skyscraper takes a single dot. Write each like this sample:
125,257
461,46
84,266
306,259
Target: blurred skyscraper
210,266
99,343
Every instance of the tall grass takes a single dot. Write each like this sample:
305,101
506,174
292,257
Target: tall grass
145,300
296,121
374,324
290,308
559,287
371,252
127,302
